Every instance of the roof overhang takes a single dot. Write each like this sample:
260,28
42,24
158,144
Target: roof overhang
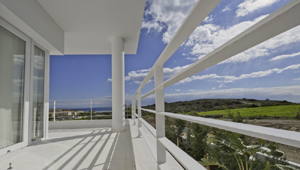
78,26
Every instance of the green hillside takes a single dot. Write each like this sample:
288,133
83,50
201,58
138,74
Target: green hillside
282,111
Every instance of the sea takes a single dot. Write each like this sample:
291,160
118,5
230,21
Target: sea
97,109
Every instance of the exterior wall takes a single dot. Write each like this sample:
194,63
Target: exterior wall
79,124
35,22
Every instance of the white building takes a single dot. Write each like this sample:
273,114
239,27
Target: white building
31,30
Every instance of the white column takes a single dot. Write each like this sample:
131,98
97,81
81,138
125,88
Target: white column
54,107
46,95
118,93
139,112
160,119
91,109
132,109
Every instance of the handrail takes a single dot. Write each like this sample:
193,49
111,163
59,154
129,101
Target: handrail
276,23
149,127
199,12
186,160
149,110
286,137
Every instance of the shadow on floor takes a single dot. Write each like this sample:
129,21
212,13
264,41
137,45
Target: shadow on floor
101,149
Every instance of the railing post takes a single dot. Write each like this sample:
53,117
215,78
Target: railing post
54,103
134,109
91,109
160,119
139,112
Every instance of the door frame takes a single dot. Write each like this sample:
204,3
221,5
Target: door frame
27,84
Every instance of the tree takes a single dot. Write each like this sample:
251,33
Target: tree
197,138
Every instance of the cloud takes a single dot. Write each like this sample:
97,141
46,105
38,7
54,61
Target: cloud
222,85
177,89
191,58
208,37
226,9
285,56
138,76
152,25
229,79
297,79
208,19
167,14
249,6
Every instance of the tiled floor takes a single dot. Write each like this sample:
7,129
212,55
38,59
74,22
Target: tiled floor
75,149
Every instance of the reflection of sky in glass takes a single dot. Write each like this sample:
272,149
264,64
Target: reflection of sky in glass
38,93
12,68
18,79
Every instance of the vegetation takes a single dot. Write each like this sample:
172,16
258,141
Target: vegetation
224,150
197,138
205,105
247,108
239,153
283,111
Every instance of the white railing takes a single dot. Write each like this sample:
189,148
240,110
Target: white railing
72,105
276,23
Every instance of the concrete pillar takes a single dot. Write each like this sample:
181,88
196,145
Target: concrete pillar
118,92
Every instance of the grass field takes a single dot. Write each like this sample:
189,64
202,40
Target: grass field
282,111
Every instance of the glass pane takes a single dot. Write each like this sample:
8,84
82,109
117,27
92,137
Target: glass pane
12,64
38,94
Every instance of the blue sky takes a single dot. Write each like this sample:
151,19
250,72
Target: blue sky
269,70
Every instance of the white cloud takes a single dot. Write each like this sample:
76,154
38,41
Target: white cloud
226,9
208,19
249,6
297,79
152,25
191,58
177,89
285,56
222,85
208,37
167,14
228,79
138,76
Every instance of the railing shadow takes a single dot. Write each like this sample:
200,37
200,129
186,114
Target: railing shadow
101,150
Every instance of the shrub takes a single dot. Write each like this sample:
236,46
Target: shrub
298,114
230,115
238,118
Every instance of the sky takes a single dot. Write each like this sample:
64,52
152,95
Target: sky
270,70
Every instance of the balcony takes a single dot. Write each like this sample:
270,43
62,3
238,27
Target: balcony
44,27
87,148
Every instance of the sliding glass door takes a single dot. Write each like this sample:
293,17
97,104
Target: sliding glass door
12,71
38,93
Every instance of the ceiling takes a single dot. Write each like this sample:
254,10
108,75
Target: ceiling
89,25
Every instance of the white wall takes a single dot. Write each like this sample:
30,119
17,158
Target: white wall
35,22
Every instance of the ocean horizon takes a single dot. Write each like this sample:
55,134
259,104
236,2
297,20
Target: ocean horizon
97,109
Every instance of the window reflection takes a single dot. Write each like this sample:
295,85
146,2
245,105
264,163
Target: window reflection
12,64
38,94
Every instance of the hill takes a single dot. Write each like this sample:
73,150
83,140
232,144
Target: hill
250,108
